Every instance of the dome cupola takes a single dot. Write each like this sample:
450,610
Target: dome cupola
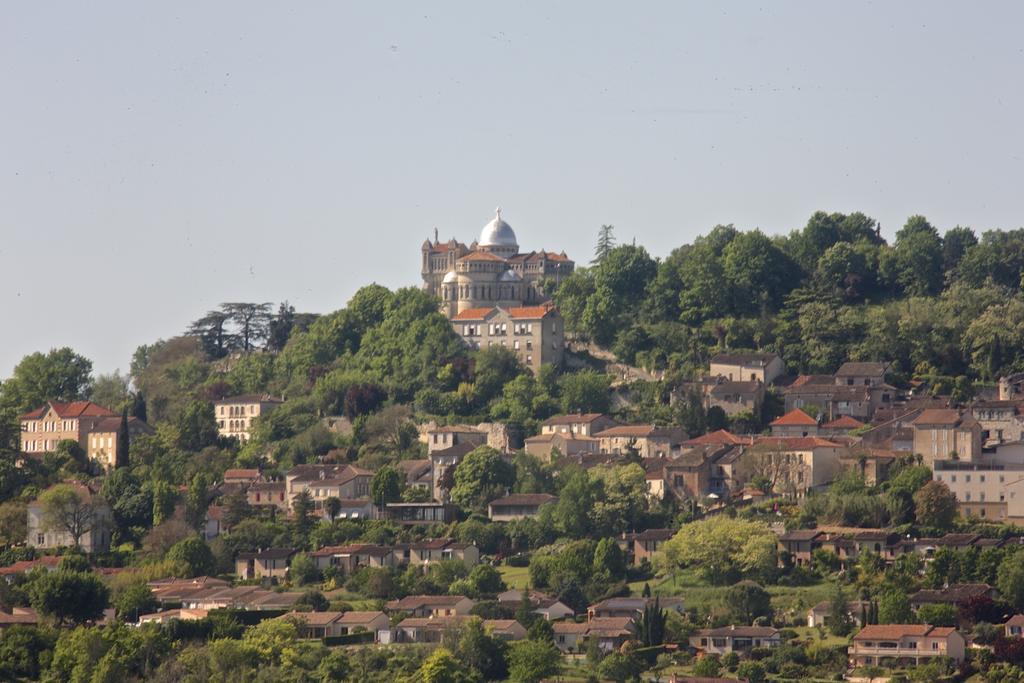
498,235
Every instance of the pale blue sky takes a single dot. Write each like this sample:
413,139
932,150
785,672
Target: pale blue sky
156,160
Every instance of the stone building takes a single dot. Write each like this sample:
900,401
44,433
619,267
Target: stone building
491,272
236,413
535,334
43,428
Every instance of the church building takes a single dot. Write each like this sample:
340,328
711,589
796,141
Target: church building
491,272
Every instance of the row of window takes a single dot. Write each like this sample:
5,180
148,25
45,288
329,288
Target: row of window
236,411
234,425
39,445
49,426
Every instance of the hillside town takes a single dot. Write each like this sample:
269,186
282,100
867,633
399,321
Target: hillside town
462,478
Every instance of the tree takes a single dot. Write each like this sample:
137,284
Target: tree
68,596
386,486
721,548
894,608
935,505
650,627
303,570
302,514
620,667
838,620
251,320
707,666
13,522
442,667
482,476
123,441
943,614
1010,580
751,671
575,502
608,558
532,660
197,500
192,555
72,509
163,498
332,506
111,391
746,601
605,243
133,600
585,392
481,652
197,426
280,327
58,375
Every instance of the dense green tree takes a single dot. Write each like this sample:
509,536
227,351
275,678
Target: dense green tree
531,661
608,558
68,596
1010,580
192,555
894,608
133,600
914,265
386,486
482,653
746,601
482,476
442,667
935,505
302,514
197,426
585,392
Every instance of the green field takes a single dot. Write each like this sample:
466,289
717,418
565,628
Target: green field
515,577
792,600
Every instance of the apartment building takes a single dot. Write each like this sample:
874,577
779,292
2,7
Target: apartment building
43,428
988,491
235,414
535,334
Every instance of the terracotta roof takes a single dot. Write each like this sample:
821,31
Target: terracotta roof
611,625
241,474
861,369
654,535
897,631
795,443
844,422
472,314
1016,620
412,602
801,535
722,436
268,554
50,561
740,631
70,410
481,256
313,618
574,418
938,416
627,430
352,549
20,615
795,418
529,312
358,618
568,627
525,499
812,380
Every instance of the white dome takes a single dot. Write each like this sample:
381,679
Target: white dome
497,233
450,278
510,276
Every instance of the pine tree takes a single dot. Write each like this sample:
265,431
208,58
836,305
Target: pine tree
605,243
139,406
651,626
123,441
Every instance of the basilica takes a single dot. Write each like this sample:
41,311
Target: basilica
491,272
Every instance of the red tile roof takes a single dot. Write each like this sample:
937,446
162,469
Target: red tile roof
795,418
938,416
529,312
722,437
796,443
844,422
897,631
70,410
472,314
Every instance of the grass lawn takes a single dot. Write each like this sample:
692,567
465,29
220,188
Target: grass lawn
697,593
515,577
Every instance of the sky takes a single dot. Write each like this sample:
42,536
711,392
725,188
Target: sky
157,159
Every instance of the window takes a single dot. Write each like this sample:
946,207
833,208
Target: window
935,646
40,539
967,478
981,478
952,478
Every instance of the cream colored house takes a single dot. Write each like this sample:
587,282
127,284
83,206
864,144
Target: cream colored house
946,433
649,441
747,367
42,429
102,439
235,414
586,424
905,645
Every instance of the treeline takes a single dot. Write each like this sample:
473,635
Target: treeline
937,305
